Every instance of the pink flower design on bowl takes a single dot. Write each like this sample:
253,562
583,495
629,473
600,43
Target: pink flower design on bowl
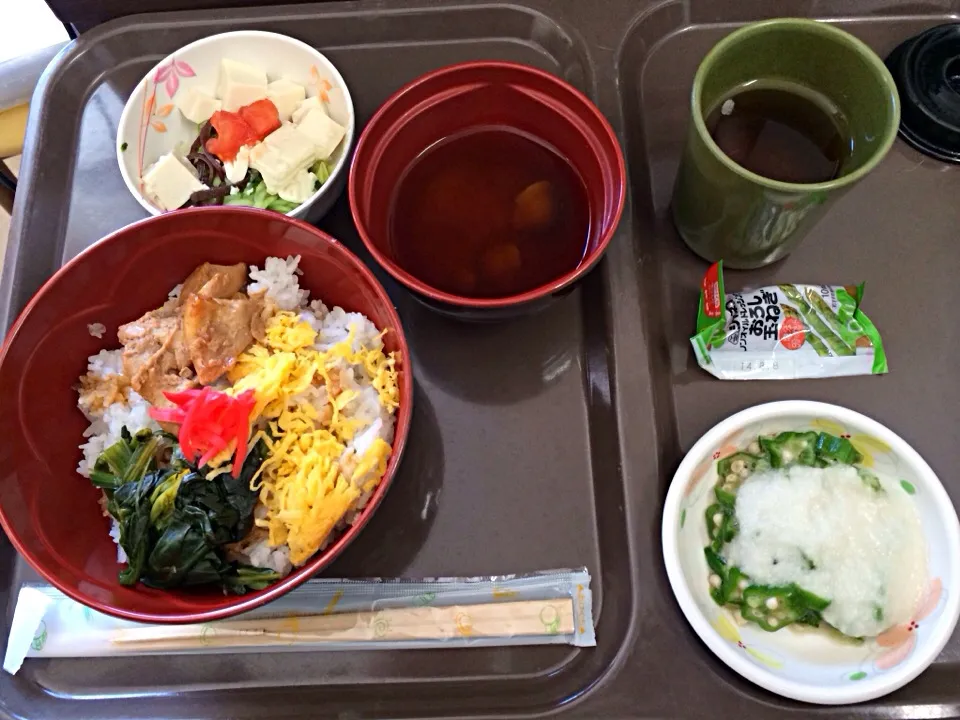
725,449
898,642
169,75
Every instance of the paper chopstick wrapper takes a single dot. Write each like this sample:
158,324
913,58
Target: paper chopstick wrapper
552,607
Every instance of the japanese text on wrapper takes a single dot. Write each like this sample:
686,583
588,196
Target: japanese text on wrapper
753,314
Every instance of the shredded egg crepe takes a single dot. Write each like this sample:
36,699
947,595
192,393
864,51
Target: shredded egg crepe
325,455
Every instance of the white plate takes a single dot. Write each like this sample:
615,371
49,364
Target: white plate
796,662
151,125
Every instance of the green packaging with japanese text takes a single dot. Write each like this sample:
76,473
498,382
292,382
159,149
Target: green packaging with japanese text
785,332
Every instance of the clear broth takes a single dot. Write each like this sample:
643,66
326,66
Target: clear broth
489,213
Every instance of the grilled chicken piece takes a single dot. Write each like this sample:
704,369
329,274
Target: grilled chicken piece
153,342
265,310
145,337
216,332
155,354
152,386
206,327
214,281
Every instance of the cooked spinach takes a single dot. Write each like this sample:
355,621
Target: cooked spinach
173,521
130,505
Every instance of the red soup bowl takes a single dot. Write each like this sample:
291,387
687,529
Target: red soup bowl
454,100
51,513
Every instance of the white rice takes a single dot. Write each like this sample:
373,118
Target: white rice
115,536
104,430
334,327
261,555
256,551
828,532
279,279
105,425
105,363
374,419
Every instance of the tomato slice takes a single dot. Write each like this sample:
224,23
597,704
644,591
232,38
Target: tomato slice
262,116
233,132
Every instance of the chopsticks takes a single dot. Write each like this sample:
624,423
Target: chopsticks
528,618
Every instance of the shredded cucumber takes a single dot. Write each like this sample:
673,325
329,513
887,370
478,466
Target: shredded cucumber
255,193
322,170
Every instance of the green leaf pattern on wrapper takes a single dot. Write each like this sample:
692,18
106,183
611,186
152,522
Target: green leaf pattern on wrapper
826,335
815,322
841,320
39,637
550,618
809,337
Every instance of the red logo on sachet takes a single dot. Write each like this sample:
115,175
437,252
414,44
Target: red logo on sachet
792,334
711,292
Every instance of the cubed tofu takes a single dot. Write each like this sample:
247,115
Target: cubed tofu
300,188
281,155
287,96
324,132
240,94
238,73
196,105
240,84
311,103
237,169
169,182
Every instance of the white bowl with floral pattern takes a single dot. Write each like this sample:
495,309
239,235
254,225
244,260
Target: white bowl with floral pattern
151,125
800,663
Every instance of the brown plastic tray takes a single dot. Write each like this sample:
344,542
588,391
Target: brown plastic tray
545,442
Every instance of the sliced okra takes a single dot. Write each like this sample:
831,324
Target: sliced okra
791,448
770,607
733,470
721,526
833,450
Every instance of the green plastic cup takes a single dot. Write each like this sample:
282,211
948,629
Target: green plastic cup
724,211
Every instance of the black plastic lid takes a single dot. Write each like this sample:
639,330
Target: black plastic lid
926,69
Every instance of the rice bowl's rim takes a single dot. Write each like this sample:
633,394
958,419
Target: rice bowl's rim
868,688
323,557
321,59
